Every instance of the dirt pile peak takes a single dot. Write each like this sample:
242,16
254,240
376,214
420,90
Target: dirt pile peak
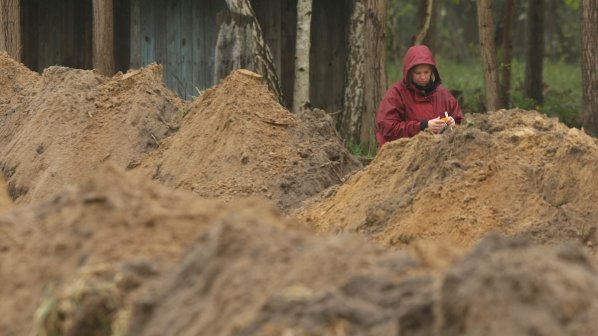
15,76
236,141
71,120
515,171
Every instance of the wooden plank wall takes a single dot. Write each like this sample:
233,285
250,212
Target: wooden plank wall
328,54
29,33
278,20
180,35
56,32
122,34
204,38
289,35
330,19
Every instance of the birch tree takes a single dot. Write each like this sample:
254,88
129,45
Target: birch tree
10,28
366,72
240,44
488,50
301,89
589,66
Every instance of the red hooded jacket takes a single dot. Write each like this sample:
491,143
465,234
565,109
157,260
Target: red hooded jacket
404,106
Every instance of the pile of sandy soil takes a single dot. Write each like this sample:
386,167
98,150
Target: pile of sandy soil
515,172
16,83
236,141
109,234
121,255
68,121
236,283
90,248
512,287
5,200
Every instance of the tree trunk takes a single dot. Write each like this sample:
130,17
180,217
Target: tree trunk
301,90
10,25
103,37
240,44
507,50
589,66
366,72
535,51
425,25
488,50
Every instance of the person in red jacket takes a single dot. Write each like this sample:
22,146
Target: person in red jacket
417,102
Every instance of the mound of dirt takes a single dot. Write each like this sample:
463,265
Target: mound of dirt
106,236
259,279
236,140
89,249
235,282
513,171
5,201
69,121
118,255
73,264
510,287
16,83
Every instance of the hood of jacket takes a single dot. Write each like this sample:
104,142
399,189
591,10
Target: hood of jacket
419,54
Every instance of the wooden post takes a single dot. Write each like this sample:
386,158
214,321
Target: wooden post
10,28
103,37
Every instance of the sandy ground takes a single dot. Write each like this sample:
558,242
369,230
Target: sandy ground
128,211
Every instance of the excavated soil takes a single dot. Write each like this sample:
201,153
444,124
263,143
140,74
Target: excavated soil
236,141
128,211
68,121
516,172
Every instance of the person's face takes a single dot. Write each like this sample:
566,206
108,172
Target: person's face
421,74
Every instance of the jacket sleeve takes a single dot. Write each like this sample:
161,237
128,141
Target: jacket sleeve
390,118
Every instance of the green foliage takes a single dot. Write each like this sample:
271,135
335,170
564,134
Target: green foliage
401,25
361,152
454,31
562,94
573,4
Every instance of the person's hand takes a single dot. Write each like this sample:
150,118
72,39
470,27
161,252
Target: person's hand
450,121
435,125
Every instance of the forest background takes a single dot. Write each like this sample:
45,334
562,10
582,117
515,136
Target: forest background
454,39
